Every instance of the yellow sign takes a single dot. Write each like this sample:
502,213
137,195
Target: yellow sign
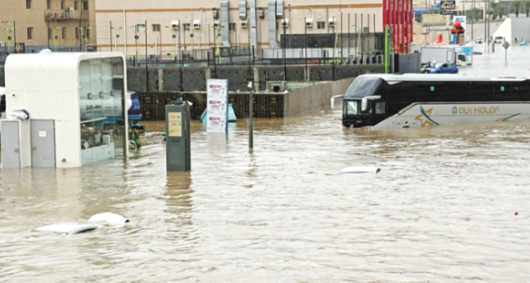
174,124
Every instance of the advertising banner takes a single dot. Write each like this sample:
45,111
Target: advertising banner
217,106
463,21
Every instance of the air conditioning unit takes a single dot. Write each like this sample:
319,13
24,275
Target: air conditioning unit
196,24
244,24
175,25
308,23
332,22
51,15
140,28
285,23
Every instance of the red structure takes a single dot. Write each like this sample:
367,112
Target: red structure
398,15
457,30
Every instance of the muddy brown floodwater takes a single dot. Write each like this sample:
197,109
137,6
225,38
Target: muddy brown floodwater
441,210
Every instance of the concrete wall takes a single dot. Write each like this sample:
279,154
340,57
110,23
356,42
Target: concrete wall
314,97
265,105
194,78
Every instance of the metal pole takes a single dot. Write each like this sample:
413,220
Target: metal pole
214,53
110,37
362,39
15,35
341,38
473,23
250,117
284,43
349,45
305,46
146,67
48,34
356,39
180,54
181,87
386,50
506,56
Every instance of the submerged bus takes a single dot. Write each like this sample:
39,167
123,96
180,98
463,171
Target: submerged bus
381,101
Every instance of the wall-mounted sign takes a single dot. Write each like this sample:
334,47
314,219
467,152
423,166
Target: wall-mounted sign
217,106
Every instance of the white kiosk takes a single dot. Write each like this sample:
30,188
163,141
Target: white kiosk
64,109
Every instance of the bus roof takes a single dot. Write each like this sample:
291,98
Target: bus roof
393,79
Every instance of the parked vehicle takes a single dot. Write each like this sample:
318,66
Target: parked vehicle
442,68
498,39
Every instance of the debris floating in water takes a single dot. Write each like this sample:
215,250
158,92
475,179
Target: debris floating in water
359,170
67,228
108,217
76,228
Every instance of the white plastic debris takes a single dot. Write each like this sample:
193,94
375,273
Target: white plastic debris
108,217
67,228
360,170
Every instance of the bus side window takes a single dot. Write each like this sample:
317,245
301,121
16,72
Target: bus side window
380,107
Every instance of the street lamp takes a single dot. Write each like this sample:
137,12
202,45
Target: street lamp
83,32
116,37
136,37
9,35
56,38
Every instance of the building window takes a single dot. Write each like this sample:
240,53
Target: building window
49,33
76,33
48,4
75,5
156,27
321,25
87,34
30,33
85,5
231,26
62,5
63,33
186,26
28,4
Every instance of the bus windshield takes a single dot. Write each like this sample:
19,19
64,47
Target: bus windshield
363,86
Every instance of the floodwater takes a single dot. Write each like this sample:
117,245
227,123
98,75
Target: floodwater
441,210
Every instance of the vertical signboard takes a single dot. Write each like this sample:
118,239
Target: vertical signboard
462,20
217,106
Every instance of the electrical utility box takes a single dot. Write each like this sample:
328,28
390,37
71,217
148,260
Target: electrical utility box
178,137
75,109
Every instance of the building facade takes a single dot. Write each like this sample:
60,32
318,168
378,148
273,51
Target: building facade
37,24
169,27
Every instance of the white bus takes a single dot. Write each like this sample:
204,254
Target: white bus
382,101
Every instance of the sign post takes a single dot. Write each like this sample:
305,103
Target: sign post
447,7
217,106
178,137
506,45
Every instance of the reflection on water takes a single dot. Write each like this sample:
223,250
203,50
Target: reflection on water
442,208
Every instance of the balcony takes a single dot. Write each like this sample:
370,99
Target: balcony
65,15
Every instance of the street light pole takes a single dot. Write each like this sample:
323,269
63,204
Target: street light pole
284,44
